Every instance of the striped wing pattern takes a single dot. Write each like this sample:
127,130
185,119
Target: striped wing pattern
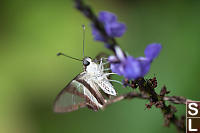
77,94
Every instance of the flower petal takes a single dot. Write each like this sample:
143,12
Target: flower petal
107,17
132,68
112,27
112,58
117,68
145,64
152,50
119,53
116,29
97,36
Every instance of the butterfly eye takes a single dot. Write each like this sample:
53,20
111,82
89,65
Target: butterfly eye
86,63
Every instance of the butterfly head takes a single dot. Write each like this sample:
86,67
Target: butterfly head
90,66
87,61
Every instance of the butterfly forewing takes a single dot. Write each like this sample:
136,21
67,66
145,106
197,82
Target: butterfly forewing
76,95
69,99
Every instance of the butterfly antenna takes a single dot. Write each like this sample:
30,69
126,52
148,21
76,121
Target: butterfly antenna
58,54
83,40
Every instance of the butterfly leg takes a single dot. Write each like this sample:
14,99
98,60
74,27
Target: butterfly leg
105,63
101,64
116,81
107,69
107,74
104,58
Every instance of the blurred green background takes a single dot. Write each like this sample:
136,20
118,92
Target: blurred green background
31,75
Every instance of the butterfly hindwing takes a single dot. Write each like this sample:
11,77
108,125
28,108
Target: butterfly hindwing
105,85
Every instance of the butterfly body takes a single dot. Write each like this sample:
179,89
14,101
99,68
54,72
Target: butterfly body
85,89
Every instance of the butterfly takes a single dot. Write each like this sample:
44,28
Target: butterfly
85,89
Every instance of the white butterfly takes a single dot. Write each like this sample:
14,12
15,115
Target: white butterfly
84,89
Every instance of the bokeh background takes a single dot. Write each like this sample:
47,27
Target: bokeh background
31,75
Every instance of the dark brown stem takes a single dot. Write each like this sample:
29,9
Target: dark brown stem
131,95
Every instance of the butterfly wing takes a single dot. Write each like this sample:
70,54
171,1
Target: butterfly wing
105,85
94,88
76,95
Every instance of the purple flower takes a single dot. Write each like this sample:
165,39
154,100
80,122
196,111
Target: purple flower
152,51
112,27
133,68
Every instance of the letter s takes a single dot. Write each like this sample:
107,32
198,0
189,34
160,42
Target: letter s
193,108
